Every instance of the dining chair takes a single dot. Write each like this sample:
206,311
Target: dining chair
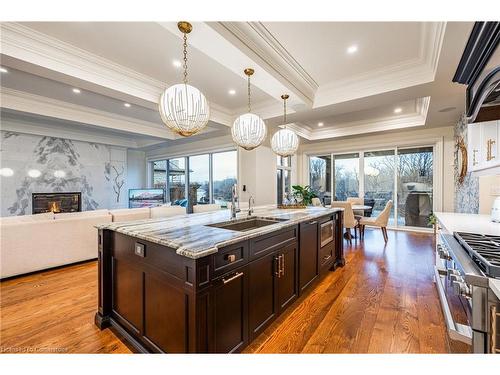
379,221
360,201
316,202
350,221
205,208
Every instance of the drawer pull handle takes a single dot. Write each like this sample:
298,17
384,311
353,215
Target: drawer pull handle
326,257
230,258
313,222
490,155
236,276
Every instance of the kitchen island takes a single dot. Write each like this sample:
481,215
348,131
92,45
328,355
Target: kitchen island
203,283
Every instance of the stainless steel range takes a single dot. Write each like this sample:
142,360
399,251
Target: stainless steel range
464,264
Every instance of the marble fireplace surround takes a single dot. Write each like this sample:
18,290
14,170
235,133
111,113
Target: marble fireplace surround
42,164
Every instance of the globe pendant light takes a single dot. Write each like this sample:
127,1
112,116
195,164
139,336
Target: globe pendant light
183,108
285,142
249,130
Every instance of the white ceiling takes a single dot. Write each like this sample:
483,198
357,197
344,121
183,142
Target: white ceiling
397,64
320,47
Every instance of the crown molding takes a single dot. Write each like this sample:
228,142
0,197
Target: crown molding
262,47
41,105
408,73
417,118
25,44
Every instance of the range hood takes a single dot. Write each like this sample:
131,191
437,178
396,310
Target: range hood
479,69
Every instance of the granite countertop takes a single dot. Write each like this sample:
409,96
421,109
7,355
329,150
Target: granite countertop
473,223
190,237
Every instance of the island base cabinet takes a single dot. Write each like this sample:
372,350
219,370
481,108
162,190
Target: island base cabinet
229,305
262,307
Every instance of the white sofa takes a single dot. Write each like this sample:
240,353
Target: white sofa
167,211
130,214
35,242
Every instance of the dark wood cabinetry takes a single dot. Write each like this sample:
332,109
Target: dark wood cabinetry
308,253
164,302
229,300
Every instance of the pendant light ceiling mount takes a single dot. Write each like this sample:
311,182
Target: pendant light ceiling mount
183,108
285,142
249,130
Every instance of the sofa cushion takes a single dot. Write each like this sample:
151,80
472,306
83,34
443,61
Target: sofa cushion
83,214
27,218
166,211
130,214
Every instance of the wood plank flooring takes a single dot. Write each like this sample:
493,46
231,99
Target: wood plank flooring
382,301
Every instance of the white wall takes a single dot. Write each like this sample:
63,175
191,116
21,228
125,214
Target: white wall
136,169
441,138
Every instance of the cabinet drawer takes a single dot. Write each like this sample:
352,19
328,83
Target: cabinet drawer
268,243
326,254
230,257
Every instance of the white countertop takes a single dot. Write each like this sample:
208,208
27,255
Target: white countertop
495,286
455,222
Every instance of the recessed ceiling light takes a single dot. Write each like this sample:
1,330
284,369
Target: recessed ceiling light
126,105
398,110
320,124
3,70
232,92
6,172
352,49
176,63
76,91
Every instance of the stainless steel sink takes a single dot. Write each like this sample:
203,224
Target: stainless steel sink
250,223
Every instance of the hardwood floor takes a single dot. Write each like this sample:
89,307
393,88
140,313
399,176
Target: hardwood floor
382,301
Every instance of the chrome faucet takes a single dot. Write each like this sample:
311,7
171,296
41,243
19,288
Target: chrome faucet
251,202
234,199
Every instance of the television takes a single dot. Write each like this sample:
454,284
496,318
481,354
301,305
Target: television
145,197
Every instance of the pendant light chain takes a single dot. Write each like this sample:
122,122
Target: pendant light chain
185,66
249,105
284,112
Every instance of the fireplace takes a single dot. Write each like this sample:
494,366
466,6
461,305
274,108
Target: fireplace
56,202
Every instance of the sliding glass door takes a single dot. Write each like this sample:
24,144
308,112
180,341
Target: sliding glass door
379,176
415,181
224,176
346,176
177,181
402,175
199,179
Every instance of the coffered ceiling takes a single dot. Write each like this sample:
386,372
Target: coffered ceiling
352,77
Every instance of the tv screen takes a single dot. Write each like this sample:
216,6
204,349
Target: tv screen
145,197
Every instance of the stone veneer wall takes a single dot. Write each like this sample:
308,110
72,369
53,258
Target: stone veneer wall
467,193
98,171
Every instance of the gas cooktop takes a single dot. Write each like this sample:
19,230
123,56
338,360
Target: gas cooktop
484,251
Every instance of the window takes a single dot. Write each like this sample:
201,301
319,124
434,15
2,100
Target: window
177,181
160,174
283,175
224,176
199,179
320,177
346,176
414,186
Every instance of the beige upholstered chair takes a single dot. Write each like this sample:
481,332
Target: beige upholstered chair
205,208
379,221
350,221
357,200
316,202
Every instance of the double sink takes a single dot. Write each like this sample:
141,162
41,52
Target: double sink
243,225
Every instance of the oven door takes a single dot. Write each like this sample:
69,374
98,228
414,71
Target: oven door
327,232
456,312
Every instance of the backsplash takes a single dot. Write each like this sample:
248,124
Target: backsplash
467,193
32,163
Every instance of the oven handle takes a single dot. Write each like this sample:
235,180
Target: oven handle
456,331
